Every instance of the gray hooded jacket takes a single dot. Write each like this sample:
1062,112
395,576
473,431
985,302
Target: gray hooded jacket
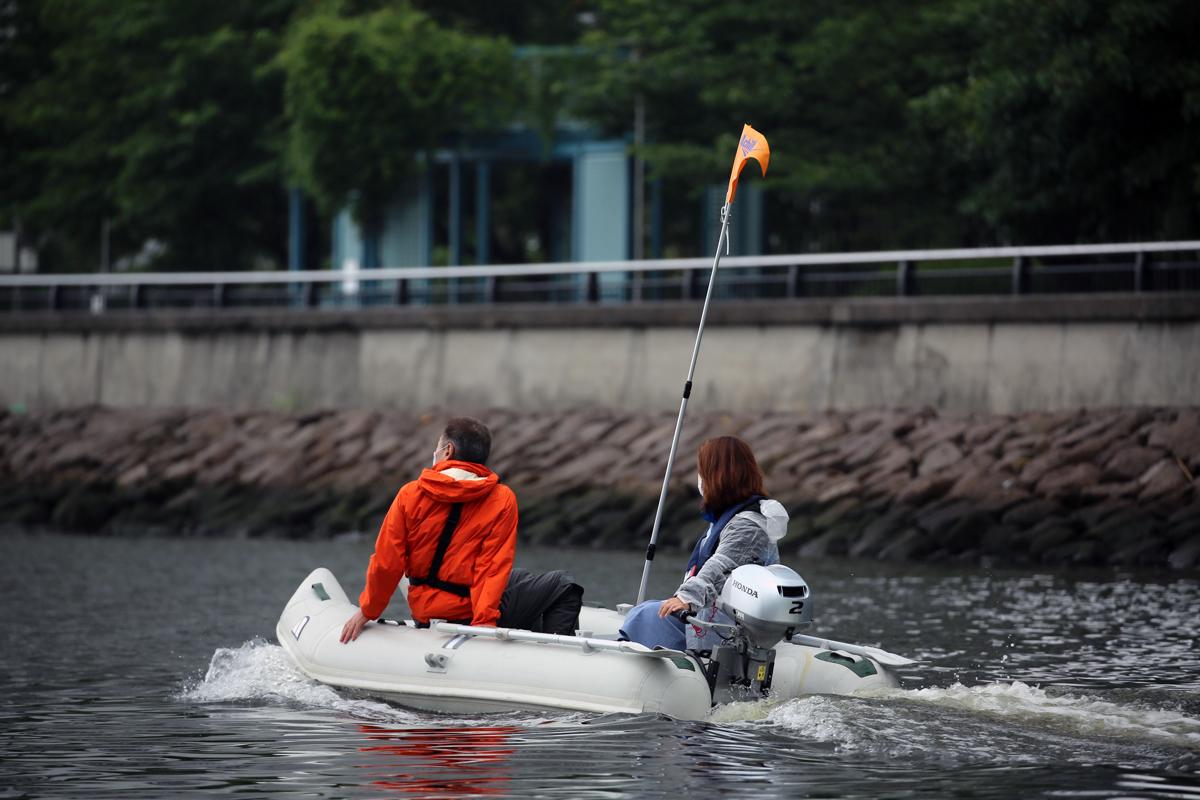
750,537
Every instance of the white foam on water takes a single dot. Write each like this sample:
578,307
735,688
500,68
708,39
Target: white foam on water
825,718
1076,714
743,712
260,671
1007,723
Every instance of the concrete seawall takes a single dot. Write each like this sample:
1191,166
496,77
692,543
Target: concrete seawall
970,355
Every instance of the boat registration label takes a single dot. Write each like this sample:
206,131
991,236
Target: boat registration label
298,628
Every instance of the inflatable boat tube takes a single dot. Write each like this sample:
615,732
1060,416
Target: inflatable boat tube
430,670
457,669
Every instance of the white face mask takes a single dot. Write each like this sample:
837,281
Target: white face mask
437,454
700,484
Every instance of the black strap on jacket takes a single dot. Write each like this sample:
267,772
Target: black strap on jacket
432,578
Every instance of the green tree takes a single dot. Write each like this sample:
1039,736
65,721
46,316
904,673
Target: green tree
367,94
525,22
829,83
25,48
893,122
163,118
940,122
1079,120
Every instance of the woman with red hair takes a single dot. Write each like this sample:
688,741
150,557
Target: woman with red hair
744,528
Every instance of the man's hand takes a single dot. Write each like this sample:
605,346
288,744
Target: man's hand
353,627
671,605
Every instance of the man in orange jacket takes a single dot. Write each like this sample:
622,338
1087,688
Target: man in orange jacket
453,532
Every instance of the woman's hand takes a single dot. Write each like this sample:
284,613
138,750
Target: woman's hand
671,605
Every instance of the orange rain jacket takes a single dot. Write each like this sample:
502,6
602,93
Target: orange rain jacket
480,554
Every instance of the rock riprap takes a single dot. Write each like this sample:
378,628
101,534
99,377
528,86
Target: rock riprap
1110,487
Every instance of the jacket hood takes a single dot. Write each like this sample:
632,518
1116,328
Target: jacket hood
772,517
457,481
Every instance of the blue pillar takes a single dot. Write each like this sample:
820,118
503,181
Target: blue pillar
426,223
748,224
370,248
347,240
454,223
420,288
405,236
483,213
601,187
600,229
454,219
297,257
656,218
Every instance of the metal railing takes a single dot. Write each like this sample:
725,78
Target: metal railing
1139,267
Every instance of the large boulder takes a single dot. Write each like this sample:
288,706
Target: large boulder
876,534
1162,478
1069,481
1050,533
1028,514
908,545
1186,555
939,457
85,509
1131,461
1181,437
925,489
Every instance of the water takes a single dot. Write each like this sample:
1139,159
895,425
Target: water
145,669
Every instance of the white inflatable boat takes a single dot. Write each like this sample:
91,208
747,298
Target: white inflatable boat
464,669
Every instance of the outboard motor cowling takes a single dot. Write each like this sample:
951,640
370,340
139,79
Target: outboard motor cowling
770,603
766,604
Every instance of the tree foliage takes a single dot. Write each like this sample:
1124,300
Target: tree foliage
923,122
893,122
828,82
368,93
163,118
1078,119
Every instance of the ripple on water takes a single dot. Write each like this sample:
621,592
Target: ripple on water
1035,685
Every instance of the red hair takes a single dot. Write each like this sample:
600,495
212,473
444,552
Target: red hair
730,473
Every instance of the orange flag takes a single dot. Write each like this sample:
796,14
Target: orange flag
752,145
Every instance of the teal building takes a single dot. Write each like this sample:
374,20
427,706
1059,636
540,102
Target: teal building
576,192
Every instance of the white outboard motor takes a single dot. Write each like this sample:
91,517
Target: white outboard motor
767,604
770,603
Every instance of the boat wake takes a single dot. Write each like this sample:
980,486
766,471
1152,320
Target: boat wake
959,724
261,673
1068,713
955,724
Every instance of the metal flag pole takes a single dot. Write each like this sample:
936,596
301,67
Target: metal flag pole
723,239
